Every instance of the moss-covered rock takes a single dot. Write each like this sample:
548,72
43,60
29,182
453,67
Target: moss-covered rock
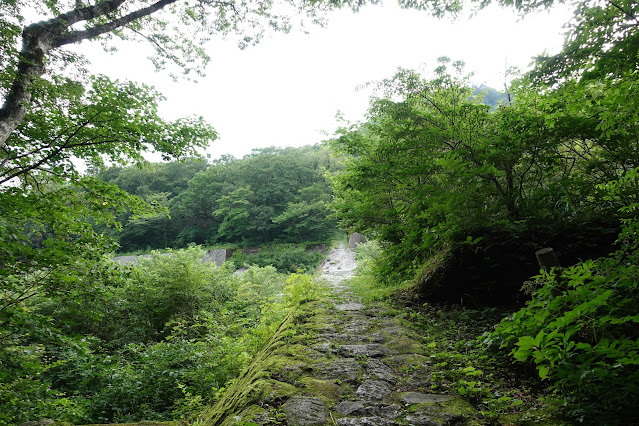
405,345
327,390
442,409
256,384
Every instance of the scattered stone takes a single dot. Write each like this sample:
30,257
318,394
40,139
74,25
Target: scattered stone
368,409
394,331
378,370
365,421
406,362
216,256
305,412
419,378
374,338
374,390
324,347
324,388
346,408
355,239
122,260
420,398
405,345
421,420
344,369
253,414
352,306
372,350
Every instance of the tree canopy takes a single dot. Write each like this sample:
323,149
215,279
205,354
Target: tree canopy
271,195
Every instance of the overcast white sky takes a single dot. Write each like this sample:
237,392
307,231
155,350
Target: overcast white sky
286,90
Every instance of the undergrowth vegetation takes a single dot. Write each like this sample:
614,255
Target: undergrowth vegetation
154,342
580,327
286,258
458,362
571,352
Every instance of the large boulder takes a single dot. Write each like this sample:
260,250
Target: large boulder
355,239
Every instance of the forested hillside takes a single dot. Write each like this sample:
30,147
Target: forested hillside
271,195
455,186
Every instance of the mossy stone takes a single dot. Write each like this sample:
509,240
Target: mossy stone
268,390
406,361
325,389
405,345
452,409
254,414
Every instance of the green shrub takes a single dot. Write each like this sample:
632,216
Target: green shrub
157,342
286,258
367,253
581,330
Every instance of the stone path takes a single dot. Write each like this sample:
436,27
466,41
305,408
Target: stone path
348,364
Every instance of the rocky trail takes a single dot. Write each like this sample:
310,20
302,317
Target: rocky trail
339,362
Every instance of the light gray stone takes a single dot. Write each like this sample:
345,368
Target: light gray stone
352,306
422,420
365,421
372,350
126,260
355,239
368,409
346,369
347,408
217,256
420,398
373,390
305,412
378,370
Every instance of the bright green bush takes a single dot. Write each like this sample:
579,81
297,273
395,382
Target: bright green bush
367,253
286,258
156,342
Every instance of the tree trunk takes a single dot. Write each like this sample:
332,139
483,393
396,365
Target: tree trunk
40,38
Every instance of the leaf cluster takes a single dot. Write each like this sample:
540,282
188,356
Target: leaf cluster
433,165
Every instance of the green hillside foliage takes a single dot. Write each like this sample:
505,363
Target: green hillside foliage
271,195
437,173
460,196
153,342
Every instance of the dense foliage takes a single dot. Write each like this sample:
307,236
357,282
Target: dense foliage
285,258
153,342
434,168
580,328
447,185
271,195
433,173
